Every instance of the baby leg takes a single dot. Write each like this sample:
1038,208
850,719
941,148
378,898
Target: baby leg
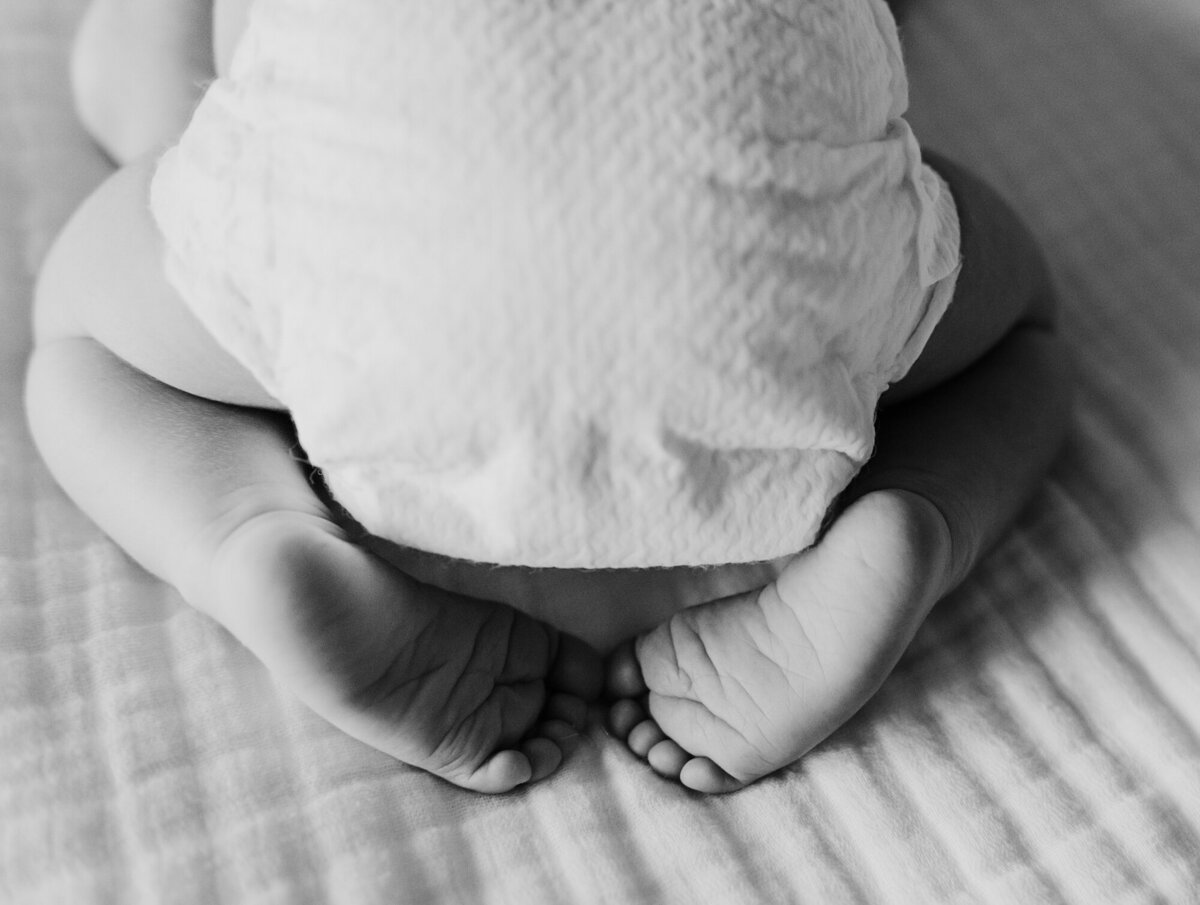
727,692
210,496
139,67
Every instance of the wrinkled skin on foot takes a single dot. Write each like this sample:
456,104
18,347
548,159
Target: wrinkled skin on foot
727,692
471,691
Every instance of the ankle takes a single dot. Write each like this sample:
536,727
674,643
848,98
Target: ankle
250,529
925,536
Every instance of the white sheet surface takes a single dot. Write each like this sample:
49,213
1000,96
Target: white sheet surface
1038,744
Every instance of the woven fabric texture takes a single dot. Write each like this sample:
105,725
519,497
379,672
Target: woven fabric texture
1038,744
586,284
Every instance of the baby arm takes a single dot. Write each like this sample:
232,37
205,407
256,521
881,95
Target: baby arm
730,691
173,449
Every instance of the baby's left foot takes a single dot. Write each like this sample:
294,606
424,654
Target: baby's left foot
727,692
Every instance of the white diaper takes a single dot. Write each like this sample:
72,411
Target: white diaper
576,283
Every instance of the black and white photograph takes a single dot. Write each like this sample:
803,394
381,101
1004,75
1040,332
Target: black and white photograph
599,452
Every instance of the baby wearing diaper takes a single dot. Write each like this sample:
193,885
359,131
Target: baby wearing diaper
439,349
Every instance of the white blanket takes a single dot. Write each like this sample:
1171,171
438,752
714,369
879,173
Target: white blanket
1038,744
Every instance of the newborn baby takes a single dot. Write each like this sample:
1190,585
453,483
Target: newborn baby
584,313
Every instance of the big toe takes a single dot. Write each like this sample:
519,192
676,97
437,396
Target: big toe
623,716
702,775
502,772
623,676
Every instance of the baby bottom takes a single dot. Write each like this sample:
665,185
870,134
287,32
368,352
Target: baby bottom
601,606
209,496
714,695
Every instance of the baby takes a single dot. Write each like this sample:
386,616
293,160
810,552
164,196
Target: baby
171,363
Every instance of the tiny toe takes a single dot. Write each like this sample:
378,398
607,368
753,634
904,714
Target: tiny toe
623,716
624,674
578,670
562,734
568,708
668,759
502,772
702,775
544,757
644,736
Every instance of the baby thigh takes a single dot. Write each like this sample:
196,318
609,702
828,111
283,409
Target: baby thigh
131,309
1004,283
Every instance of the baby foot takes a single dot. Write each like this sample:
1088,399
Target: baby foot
729,691
474,692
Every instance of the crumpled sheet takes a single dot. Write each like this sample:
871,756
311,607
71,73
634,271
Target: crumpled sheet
1038,743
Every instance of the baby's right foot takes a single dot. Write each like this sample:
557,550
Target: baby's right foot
474,692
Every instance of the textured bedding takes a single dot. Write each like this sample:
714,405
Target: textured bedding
1038,743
